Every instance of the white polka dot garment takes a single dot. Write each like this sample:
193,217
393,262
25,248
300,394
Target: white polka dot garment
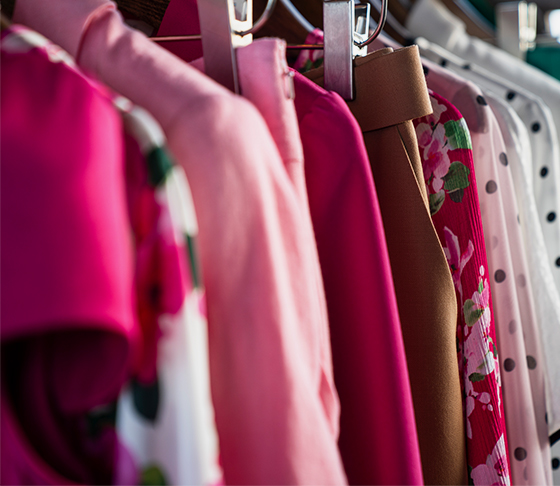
518,341
544,175
545,149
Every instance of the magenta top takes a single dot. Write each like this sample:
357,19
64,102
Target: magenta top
376,434
67,268
268,360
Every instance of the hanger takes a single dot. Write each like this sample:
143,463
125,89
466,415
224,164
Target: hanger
224,26
8,8
346,29
394,28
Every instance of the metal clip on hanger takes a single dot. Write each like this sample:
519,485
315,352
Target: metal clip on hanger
224,25
516,24
344,40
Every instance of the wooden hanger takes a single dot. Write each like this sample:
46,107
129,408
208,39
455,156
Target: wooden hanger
149,11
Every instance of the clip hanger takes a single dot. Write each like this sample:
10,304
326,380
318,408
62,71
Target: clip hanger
516,24
224,26
346,37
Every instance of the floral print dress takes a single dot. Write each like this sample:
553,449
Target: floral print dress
447,162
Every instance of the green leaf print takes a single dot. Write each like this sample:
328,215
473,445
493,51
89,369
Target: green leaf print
472,312
457,134
153,476
480,287
476,377
457,196
457,177
436,201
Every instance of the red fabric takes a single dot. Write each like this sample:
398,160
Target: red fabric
447,161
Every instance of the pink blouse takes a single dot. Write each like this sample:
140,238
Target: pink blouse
269,365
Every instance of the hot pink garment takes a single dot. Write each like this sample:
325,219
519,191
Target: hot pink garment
265,320
67,310
446,150
376,434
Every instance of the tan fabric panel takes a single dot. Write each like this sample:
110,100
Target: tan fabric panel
391,91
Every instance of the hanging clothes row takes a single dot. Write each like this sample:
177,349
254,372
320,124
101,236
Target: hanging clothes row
281,286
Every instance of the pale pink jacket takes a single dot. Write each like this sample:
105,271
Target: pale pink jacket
276,409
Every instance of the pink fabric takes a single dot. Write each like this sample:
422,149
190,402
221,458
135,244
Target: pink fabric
181,18
162,278
445,147
517,338
376,434
265,320
67,312
266,81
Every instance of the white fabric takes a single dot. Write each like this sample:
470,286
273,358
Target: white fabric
523,384
183,441
518,152
430,19
539,155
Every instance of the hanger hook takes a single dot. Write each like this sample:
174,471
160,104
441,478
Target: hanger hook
379,28
261,21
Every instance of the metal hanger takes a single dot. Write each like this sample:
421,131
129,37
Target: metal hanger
224,26
344,40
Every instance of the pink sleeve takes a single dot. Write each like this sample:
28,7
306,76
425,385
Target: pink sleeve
367,344
264,331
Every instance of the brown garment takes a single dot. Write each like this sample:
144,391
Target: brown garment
390,92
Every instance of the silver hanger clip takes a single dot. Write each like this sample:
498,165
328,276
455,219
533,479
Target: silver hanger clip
361,29
338,24
224,25
346,36
516,25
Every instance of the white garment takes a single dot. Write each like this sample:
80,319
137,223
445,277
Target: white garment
539,155
182,442
541,128
430,19
518,152
523,384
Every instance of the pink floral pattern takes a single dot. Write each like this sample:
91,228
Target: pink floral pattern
446,151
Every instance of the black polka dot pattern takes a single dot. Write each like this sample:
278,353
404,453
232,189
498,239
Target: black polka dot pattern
512,327
443,63
531,362
510,95
555,463
467,66
551,216
520,454
481,101
499,276
558,262
521,280
509,364
536,127
503,159
544,171
491,187
426,70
